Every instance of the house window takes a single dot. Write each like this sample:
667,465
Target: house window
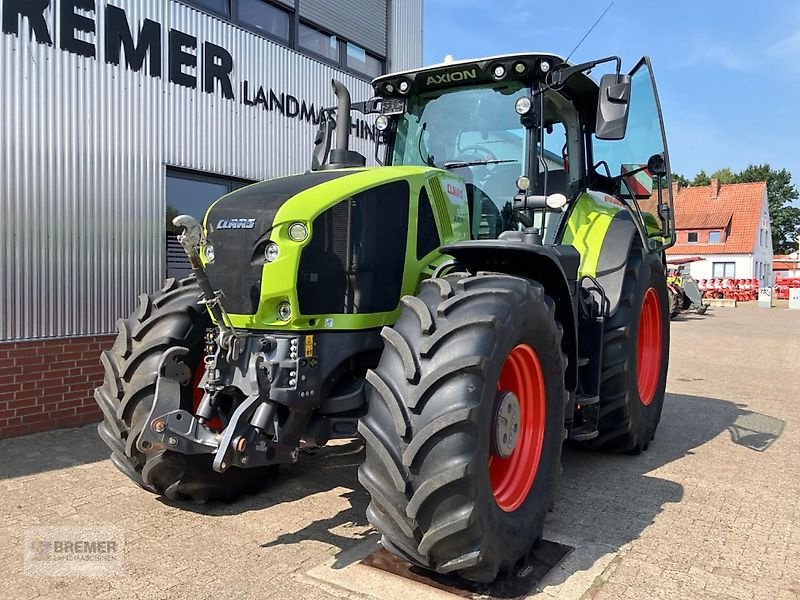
218,6
714,237
723,270
691,237
264,17
316,41
277,22
190,193
359,60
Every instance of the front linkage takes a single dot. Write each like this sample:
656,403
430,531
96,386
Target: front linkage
259,374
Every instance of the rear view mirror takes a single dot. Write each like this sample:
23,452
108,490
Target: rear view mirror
612,107
657,165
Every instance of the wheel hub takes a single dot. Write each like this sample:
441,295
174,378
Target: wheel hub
506,424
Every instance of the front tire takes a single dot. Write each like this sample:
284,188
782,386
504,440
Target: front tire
442,495
167,319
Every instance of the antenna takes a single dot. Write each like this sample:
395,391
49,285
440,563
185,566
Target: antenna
591,29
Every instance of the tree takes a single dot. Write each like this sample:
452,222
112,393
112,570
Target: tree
725,176
680,179
701,179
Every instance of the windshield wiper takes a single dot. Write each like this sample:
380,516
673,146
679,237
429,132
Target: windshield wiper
460,164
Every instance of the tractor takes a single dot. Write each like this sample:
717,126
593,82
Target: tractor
682,289
491,289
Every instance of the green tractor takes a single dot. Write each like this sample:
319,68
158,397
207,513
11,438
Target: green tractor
489,291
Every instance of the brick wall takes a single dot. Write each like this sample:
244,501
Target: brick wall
47,384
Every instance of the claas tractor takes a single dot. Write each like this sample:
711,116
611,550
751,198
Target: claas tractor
487,292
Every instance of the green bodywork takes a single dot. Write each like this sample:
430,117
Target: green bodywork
589,220
278,281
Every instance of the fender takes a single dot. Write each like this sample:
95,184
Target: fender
555,267
602,233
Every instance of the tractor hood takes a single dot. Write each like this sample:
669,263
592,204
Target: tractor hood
241,225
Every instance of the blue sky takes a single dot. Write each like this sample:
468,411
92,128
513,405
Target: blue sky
728,71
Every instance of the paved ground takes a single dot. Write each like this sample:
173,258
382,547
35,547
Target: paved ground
712,510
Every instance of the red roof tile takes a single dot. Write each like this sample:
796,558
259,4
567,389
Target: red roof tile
737,203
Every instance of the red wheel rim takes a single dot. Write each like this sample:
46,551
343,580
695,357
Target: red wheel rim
511,478
648,354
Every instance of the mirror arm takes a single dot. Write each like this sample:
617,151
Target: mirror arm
560,76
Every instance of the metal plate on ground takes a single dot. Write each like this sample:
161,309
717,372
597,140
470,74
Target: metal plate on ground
545,556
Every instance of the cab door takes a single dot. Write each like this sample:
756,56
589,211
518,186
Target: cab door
629,157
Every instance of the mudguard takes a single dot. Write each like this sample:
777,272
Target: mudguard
602,232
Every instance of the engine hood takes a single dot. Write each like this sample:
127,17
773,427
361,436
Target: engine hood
241,224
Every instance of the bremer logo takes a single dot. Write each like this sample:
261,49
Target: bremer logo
452,77
236,224
149,47
454,190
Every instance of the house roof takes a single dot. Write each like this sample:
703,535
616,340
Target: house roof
736,204
785,262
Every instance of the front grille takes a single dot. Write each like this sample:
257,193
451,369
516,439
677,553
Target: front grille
355,259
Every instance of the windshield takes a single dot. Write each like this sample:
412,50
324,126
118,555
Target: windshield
477,134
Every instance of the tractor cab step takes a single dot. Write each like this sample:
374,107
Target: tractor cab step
586,400
586,418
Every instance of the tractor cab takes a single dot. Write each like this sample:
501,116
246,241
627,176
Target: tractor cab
528,134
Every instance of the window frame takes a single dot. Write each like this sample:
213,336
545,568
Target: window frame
717,232
232,183
696,235
723,265
293,42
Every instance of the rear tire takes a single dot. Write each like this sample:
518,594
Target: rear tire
170,318
674,303
429,426
629,418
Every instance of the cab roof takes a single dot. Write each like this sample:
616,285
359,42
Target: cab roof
524,67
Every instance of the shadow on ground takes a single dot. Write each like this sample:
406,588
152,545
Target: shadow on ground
593,499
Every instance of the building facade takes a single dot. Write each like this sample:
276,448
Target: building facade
728,226
118,114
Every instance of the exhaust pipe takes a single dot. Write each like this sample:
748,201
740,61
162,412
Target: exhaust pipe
342,157
342,115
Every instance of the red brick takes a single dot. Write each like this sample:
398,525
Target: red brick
74,403
9,432
28,410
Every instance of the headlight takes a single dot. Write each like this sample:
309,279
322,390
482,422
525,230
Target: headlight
271,252
298,232
499,72
284,311
523,105
404,87
210,255
382,123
